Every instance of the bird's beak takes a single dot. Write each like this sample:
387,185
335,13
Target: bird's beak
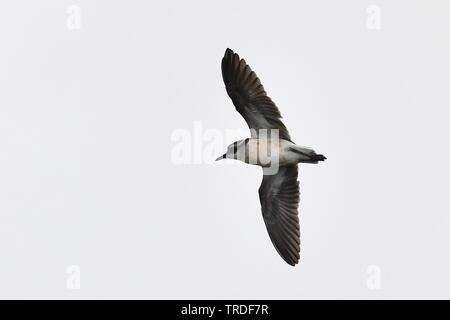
222,157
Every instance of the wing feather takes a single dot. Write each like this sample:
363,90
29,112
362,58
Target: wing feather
279,196
249,97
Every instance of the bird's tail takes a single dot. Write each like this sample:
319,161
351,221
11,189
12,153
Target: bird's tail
316,158
307,155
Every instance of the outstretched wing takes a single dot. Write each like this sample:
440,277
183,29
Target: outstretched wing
279,196
249,97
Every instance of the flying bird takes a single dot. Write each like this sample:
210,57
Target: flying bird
279,191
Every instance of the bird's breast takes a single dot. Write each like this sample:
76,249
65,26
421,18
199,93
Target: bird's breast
266,152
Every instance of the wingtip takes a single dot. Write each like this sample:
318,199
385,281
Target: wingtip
230,54
291,260
292,263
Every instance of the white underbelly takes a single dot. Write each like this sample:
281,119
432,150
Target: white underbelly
268,152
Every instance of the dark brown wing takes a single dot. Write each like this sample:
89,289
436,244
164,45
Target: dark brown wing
249,97
279,195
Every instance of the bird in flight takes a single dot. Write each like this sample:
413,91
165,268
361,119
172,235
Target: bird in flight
270,146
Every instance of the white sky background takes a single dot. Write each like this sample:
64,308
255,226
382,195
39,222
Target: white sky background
87,178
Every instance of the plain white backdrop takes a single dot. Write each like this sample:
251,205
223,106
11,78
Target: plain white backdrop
92,204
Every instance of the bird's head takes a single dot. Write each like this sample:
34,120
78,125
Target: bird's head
224,156
235,151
